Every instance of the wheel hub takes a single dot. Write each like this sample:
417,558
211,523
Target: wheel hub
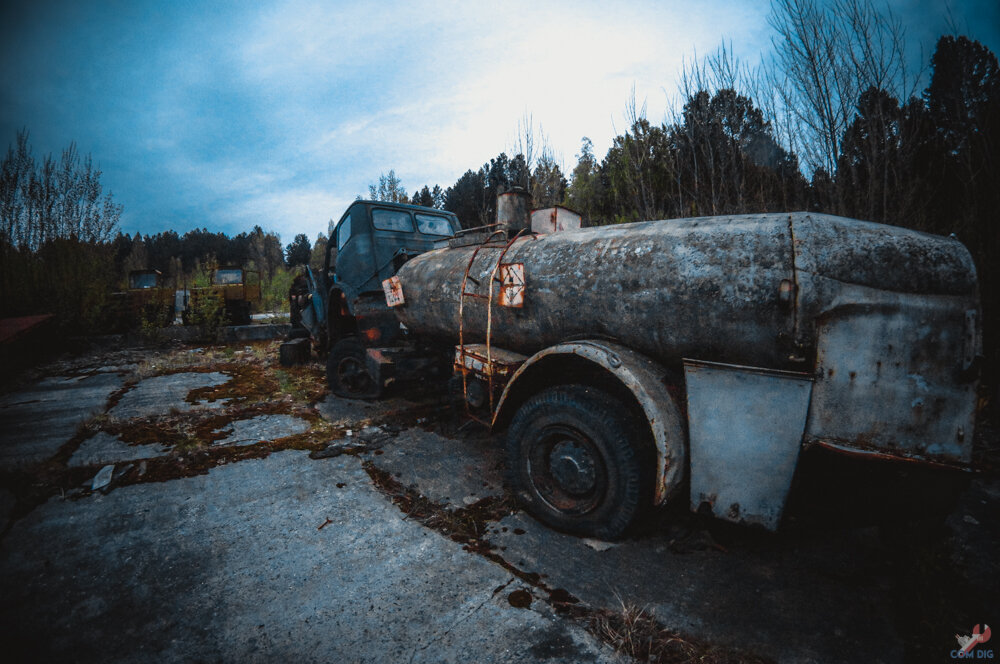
352,375
572,467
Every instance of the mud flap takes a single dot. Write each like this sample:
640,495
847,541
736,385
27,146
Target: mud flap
745,428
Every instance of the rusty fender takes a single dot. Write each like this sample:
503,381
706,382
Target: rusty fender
643,378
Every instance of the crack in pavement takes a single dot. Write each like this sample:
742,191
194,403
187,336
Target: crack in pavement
438,635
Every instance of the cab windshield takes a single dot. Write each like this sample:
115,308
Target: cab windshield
225,277
432,224
142,280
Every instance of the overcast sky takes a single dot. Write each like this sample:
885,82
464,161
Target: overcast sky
229,114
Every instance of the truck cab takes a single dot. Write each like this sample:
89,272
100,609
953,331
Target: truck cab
373,239
143,279
368,245
147,300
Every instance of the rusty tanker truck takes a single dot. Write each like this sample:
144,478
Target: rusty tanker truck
684,359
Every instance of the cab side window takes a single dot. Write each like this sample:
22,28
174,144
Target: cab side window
343,233
392,220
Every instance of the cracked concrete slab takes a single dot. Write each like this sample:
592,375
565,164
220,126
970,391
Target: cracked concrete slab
161,394
262,560
102,448
261,428
446,470
762,599
357,413
36,422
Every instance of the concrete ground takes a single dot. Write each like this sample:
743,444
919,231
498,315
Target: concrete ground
251,517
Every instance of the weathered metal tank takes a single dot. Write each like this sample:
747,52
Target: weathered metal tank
874,313
744,289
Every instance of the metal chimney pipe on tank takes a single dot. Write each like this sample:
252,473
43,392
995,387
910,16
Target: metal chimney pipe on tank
514,211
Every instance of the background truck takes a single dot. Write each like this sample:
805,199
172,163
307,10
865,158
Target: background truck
147,299
343,308
232,292
691,358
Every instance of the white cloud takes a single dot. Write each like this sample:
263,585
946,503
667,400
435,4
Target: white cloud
434,89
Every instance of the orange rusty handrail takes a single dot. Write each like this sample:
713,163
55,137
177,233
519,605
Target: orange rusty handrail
461,319
489,315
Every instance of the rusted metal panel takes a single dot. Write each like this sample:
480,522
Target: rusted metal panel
15,329
500,363
745,428
644,378
393,291
555,219
886,378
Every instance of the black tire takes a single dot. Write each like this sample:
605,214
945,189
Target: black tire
346,372
576,462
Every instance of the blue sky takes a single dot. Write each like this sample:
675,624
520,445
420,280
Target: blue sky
229,114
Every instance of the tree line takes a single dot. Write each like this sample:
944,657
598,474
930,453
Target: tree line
61,249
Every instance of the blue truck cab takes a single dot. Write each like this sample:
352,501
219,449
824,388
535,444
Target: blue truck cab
349,314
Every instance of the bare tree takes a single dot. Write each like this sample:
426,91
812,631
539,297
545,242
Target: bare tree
524,144
824,58
54,199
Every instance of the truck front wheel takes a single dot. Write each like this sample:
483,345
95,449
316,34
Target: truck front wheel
576,463
347,373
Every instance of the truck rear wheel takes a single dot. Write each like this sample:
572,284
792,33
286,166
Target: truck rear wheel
347,373
574,461
238,313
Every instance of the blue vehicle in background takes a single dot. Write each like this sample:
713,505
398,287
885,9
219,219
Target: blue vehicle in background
342,307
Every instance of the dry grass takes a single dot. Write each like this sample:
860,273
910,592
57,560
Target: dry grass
635,633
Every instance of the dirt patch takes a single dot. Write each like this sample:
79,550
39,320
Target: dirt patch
257,386
519,599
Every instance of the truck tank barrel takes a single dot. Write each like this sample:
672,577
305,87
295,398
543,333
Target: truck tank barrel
743,289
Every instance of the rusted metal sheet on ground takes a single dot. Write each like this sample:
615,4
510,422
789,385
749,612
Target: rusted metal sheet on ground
745,429
14,329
